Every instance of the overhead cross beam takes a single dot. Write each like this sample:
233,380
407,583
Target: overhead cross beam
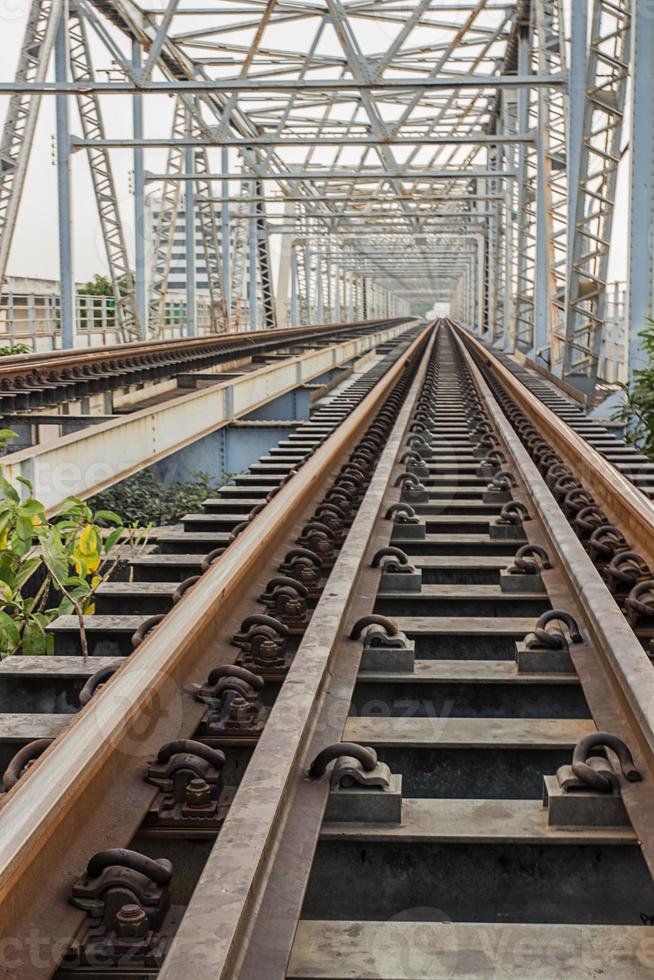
382,150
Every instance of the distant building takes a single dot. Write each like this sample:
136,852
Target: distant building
30,285
177,277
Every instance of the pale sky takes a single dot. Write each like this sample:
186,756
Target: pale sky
35,250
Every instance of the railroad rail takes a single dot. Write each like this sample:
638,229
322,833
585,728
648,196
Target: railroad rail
627,459
391,719
37,381
110,448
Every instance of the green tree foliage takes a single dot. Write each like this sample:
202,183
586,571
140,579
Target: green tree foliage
101,286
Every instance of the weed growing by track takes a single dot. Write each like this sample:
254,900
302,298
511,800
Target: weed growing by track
146,499
9,350
51,567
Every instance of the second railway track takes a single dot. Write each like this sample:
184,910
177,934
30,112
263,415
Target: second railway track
465,629
33,382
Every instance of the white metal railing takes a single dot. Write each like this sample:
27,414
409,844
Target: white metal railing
33,319
613,348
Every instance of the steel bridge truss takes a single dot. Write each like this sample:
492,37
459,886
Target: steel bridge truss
345,158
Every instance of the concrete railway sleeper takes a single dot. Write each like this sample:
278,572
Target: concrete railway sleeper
426,752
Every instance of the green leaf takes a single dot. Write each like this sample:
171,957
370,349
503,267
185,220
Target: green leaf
20,546
54,554
70,504
26,570
32,508
79,593
9,629
35,639
26,483
7,434
65,525
25,528
112,538
9,492
108,515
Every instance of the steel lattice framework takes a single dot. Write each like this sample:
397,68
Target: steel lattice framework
346,158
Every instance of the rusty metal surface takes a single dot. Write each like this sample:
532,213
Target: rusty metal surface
615,672
618,497
20,365
104,454
260,864
84,792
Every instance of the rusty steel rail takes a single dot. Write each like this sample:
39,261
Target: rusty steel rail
242,919
259,865
18,363
104,454
623,502
616,674
32,382
76,796
251,911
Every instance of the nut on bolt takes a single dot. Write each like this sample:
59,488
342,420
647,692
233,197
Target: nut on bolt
198,793
131,922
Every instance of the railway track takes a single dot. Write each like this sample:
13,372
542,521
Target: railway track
400,726
634,465
31,382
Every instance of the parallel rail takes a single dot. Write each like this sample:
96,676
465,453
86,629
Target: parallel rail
36,381
92,775
622,501
86,462
469,875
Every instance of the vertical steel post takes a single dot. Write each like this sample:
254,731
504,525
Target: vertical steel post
66,277
328,284
189,225
307,283
480,284
319,288
509,125
294,313
524,289
468,311
489,188
541,332
607,70
224,238
640,286
578,58
139,202
508,268
252,263
285,269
